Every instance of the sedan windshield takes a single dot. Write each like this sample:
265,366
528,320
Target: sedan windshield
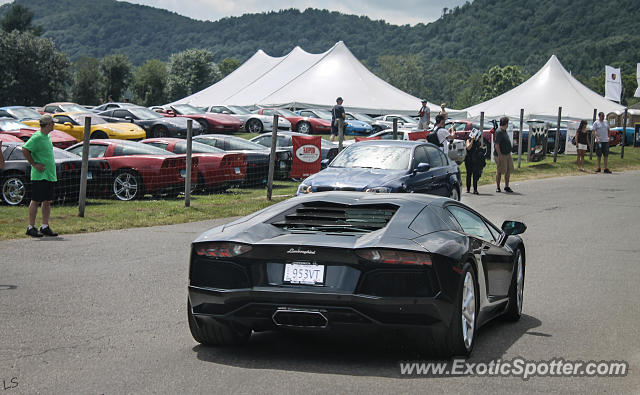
144,113
324,114
240,143
186,109
239,110
196,147
24,113
11,124
79,118
72,107
362,117
374,157
286,113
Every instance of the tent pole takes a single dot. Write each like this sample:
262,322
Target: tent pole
555,146
593,137
624,133
520,132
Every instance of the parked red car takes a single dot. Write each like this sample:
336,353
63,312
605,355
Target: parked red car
8,138
217,169
18,129
299,123
138,169
211,123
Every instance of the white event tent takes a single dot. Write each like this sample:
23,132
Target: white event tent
304,80
541,95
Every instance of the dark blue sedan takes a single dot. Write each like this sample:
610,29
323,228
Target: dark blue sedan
388,166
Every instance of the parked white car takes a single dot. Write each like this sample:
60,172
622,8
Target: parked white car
251,122
404,121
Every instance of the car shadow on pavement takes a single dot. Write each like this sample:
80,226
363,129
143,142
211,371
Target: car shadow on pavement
354,354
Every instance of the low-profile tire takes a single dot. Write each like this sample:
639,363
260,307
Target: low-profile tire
204,124
455,193
516,290
254,126
304,127
14,189
127,185
160,131
215,332
98,134
461,337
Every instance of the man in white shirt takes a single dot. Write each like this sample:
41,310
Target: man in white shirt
601,132
443,134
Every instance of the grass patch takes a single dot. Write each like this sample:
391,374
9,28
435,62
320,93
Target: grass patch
108,214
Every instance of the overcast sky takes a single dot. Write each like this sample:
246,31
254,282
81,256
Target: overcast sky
399,12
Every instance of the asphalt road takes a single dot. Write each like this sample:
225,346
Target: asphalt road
106,312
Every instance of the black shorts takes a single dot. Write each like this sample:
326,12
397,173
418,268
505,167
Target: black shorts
42,190
602,149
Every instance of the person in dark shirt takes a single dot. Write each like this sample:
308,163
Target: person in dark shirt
504,162
338,117
474,160
582,142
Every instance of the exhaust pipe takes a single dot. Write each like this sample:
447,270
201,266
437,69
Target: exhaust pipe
299,318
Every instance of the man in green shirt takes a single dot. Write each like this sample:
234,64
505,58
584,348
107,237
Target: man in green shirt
38,150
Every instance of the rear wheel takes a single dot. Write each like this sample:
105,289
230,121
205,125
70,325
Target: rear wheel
303,127
127,185
204,124
14,189
516,291
160,131
254,126
99,134
464,320
215,332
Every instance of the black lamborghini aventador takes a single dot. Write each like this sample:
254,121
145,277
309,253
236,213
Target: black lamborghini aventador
352,260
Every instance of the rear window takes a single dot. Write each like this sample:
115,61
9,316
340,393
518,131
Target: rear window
335,218
124,149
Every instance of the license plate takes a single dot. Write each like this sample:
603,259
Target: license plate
89,175
237,170
283,165
296,273
183,173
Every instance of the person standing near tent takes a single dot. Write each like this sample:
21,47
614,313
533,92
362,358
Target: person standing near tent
425,116
504,161
601,131
443,111
474,161
582,141
338,117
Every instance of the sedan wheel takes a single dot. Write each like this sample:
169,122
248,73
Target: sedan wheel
127,186
254,126
304,127
14,191
160,131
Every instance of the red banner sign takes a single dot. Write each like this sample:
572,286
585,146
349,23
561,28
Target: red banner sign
307,156
422,136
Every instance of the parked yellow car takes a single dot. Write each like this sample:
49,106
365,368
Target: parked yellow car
73,124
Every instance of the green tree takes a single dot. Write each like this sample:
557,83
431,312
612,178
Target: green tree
116,73
150,82
499,80
19,18
227,66
191,71
87,81
32,71
404,72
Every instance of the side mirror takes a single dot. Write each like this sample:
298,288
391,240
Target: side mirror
324,163
422,167
513,227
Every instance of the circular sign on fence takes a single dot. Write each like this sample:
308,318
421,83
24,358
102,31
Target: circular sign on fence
308,153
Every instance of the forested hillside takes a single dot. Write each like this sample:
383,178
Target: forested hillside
464,43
